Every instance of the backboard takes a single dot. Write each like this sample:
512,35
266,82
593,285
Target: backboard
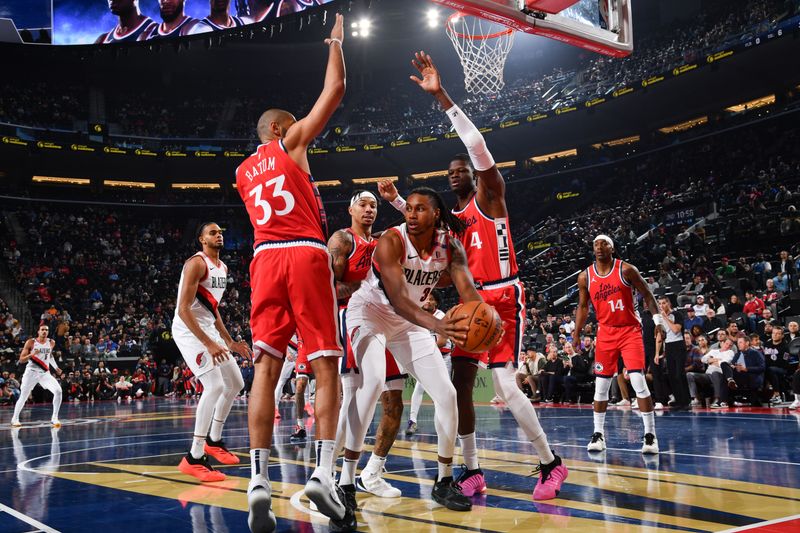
613,35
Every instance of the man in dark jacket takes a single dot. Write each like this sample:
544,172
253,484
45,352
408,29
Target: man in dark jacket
780,364
748,370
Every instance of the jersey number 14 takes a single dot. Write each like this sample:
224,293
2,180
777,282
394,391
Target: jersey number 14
616,305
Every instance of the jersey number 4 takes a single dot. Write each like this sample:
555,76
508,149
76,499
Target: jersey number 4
475,241
616,305
277,192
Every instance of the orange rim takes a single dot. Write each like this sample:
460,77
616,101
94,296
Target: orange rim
495,35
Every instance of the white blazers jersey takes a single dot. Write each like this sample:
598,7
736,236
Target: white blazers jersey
41,357
421,275
206,299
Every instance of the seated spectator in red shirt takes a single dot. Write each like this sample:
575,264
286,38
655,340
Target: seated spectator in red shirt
753,308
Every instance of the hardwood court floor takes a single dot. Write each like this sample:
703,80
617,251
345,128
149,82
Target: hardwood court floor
113,466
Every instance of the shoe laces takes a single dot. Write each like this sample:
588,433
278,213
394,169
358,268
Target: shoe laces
649,439
597,436
463,475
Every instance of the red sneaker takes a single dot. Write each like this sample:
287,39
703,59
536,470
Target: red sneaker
218,451
200,469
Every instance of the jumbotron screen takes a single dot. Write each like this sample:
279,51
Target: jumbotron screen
113,21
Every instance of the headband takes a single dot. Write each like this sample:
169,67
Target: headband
604,238
356,197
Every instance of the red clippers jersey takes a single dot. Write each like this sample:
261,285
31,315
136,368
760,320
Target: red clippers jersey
281,199
612,297
487,241
359,261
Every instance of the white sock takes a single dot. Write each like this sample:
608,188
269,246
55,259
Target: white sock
469,449
797,397
348,474
216,430
649,420
198,447
445,470
599,422
374,465
543,450
259,461
299,422
325,454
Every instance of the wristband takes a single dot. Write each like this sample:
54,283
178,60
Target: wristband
399,203
334,40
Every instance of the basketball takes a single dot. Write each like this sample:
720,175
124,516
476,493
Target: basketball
485,326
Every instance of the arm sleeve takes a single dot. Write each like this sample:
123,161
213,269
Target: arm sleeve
472,139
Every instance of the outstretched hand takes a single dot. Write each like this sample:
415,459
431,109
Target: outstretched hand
337,33
431,82
387,190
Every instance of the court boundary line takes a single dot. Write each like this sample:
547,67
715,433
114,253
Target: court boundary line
27,519
762,524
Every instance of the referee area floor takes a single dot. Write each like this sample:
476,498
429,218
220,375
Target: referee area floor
115,466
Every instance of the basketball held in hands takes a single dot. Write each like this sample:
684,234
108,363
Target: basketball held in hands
485,326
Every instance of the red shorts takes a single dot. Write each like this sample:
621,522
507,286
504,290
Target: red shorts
510,305
292,290
348,363
613,342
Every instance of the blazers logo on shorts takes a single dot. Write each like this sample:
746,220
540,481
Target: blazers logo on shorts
598,367
301,366
200,360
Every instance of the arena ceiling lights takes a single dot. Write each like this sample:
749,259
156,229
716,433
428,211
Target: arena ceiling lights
683,126
61,181
364,181
186,186
555,155
752,104
130,184
361,28
329,183
618,142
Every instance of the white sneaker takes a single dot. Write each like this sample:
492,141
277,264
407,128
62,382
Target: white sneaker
16,424
659,406
649,443
373,483
259,500
598,442
795,404
696,403
321,490
634,404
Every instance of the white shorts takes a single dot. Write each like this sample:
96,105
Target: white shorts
31,378
407,342
194,352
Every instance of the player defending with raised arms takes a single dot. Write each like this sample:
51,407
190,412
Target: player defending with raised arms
609,284
490,252
386,314
205,344
38,353
292,285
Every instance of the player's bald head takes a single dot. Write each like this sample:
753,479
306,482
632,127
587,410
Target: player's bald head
274,123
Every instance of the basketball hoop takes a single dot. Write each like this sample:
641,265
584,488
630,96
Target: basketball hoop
482,47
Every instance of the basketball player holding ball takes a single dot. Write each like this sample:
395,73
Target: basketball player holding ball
386,313
487,241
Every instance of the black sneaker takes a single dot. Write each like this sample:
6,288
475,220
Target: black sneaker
445,492
347,493
298,435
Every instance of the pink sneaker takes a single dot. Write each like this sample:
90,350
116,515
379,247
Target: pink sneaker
471,482
550,481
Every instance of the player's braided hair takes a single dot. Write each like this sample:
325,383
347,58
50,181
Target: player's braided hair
447,220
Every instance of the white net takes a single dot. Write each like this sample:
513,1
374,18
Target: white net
482,47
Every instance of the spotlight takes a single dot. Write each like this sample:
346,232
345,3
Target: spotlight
433,17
